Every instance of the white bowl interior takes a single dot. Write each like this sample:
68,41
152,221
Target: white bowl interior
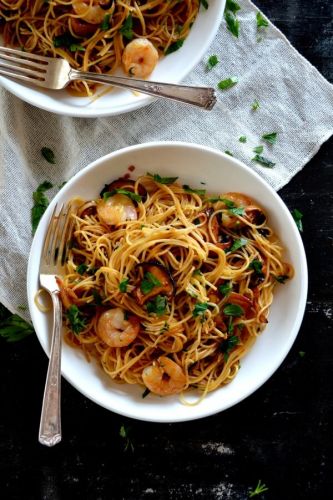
221,173
172,68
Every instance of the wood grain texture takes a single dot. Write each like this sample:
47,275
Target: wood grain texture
281,434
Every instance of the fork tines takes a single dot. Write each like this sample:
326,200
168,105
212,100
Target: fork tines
58,234
19,64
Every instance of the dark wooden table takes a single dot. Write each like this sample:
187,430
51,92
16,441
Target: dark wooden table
281,434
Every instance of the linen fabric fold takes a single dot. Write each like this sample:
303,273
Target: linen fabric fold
277,91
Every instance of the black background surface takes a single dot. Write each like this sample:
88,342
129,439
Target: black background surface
280,434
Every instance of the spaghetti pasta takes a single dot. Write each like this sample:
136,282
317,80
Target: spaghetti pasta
168,287
98,35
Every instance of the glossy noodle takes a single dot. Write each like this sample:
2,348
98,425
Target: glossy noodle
168,286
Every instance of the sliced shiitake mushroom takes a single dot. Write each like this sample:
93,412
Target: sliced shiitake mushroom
157,280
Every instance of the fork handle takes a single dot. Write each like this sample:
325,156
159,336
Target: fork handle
50,422
203,97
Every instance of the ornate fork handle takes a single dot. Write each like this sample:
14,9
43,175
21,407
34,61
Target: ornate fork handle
203,97
50,423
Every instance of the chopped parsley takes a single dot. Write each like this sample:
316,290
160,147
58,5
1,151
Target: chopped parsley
145,393
236,210
232,5
261,21
242,139
258,149
228,344
281,278
271,137
174,47
81,268
256,265
40,203
204,3
14,328
123,285
105,25
225,288
297,215
260,488
200,308
67,41
130,194
124,433
301,354
149,282
162,180
233,310
255,105
48,154
241,242
263,161
212,61
158,305
188,189
127,28
227,83
227,152
76,320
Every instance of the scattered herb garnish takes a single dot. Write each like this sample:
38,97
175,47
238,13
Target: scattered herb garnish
232,23
241,242
14,328
204,3
212,61
255,105
145,393
233,310
236,210
228,344
227,152
124,433
97,298
242,139
149,282
256,265
263,161
200,308
188,189
162,180
76,319
197,272
174,47
282,278
228,203
105,25
127,28
297,215
260,488
258,149
227,83
261,21
81,268
301,354
123,285
40,203
225,288
157,305
67,41
271,137
48,154
130,194
232,5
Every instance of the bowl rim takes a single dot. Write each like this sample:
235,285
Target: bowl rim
303,263
83,112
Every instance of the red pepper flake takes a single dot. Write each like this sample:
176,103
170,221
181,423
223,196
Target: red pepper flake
131,168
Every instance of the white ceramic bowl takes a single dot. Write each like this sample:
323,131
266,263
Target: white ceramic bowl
172,69
221,173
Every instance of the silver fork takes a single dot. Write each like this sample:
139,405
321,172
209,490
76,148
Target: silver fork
53,73
52,261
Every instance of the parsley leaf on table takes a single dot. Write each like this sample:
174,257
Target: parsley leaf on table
212,61
40,203
13,328
297,215
271,137
227,83
263,161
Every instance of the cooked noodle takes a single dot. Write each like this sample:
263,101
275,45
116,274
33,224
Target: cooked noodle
92,34
223,261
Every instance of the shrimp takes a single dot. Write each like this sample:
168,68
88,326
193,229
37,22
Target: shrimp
116,209
91,11
139,58
115,330
164,377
